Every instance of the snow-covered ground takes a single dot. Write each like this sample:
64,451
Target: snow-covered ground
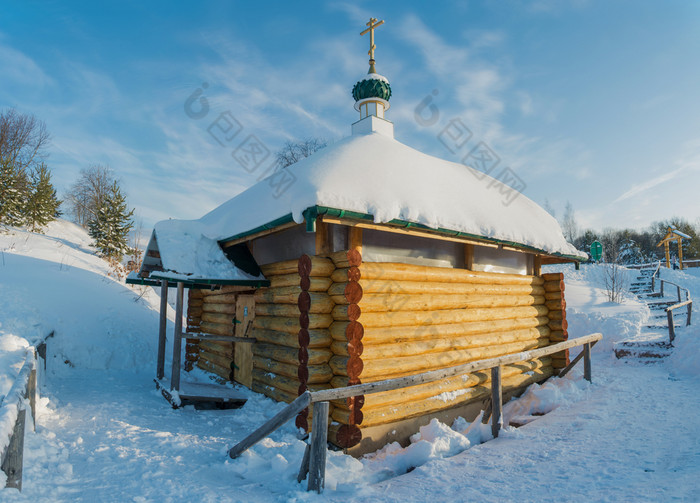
105,434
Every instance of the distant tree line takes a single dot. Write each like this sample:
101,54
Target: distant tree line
28,198
630,246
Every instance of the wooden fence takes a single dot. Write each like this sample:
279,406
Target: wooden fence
13,413
314,461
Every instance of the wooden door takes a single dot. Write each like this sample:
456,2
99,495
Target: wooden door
243,351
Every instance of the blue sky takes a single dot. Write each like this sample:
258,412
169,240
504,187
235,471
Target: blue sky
592,102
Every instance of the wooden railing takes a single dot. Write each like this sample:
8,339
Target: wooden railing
314,461
13,413
679,288
669,315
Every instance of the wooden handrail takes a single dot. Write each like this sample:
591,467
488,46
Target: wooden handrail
436,375
314,457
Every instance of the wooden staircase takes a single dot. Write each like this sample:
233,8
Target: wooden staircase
653,344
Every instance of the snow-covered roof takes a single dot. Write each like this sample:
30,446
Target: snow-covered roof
187,255
377,175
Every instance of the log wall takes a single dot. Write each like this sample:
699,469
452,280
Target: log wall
554,294
217,317
194,319
292,317
395,319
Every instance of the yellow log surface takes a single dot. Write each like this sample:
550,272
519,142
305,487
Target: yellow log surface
291,355
318,338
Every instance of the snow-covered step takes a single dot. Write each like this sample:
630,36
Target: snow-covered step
645,351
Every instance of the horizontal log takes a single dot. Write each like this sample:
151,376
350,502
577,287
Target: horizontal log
396,412
416,287
448,316
285,317
345,274
311,284
558,335
277,323
316,338
216,328
554,286
312,374
195,302
284,354
313,266
557,314
224,349
290,385
558,325
558,304
283,310
376,303
553,276
228,298
346,258
391,271
447,385
403,366
221,318
317,302
390,335
223,290
194,312
271,392
220,308
195,294
416,348
222,372
553,295
216,359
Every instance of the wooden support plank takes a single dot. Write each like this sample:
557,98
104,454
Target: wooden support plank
160,366
324,245
319,447
573,363
355,239
177,339
537,265
243,352
587,362
671,328
12,464
690,312
304,468
496,400
469,256
289,412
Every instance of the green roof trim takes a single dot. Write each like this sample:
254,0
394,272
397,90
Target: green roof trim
313,212
157,283
254,283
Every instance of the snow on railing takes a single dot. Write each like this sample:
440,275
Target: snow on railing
13,413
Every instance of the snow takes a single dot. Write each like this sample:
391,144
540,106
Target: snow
186,254
377,175
373,76
105,434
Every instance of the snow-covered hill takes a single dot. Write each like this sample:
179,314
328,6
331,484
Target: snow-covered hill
55,282
104,433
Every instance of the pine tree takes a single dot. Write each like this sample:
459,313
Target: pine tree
112,224
14,188
42,205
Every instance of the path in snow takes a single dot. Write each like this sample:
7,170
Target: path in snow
111,437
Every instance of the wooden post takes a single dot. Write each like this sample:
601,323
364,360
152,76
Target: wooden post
587,362
304,469
537,265
355,239
653,283
496,400
12,464
160,364
662,288
31,395
671,328
678,288
243,352
319,440
690,312
680,256
469,257
177,339
323,238
668,255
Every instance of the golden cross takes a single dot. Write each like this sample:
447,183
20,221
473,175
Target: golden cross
372,25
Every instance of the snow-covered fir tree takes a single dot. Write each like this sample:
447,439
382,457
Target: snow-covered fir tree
111,225
14,189
42,204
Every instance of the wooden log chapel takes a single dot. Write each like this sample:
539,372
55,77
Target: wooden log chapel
377,261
